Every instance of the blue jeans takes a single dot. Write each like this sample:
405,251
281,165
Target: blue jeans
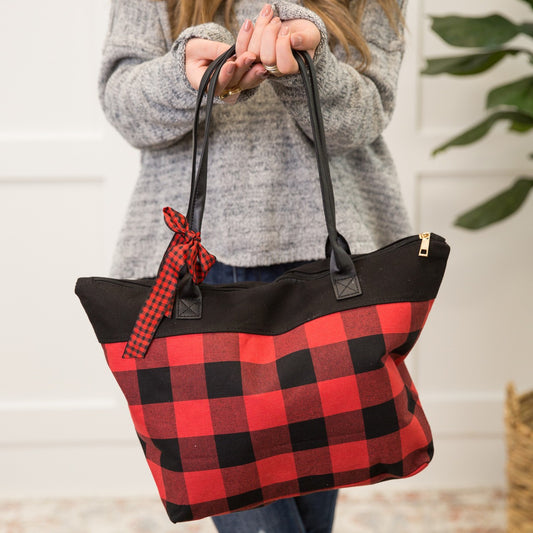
312,513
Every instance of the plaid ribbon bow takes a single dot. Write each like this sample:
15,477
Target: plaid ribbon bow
185,248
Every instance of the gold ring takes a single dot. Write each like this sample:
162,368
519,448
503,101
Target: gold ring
230,92
273,69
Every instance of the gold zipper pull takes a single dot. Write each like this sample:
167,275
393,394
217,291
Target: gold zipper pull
424,245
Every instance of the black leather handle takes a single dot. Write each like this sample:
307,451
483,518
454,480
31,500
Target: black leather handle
195,209
342,269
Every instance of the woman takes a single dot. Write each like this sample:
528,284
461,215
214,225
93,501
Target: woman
263,211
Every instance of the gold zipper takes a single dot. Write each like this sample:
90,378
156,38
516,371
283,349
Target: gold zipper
424,245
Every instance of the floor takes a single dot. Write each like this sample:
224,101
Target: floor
465,511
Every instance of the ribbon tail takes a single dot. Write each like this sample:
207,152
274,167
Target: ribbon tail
149,318
170,308
158,304
185,248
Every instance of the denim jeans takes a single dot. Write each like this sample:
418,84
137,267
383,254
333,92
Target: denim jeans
312,513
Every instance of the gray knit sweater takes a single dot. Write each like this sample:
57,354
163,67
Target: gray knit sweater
263,201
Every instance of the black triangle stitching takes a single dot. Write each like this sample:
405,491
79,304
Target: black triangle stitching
345,286
188,307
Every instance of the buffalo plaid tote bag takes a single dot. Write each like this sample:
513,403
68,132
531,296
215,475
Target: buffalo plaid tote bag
242,394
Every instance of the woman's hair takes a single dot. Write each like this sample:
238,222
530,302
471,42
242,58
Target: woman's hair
342,20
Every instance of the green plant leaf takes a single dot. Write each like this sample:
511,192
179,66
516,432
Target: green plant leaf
489,31
527,28
498,207
478,131
468,64
520,127
518,94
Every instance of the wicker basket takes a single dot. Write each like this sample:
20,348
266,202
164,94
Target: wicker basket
519,430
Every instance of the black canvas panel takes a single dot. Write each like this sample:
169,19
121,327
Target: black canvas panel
113,305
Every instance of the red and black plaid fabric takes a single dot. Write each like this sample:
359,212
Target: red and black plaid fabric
185,249
278,389
231,420
275,389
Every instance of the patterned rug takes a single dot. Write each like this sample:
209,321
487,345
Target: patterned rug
462,511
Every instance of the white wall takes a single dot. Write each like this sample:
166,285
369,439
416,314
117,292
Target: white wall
477,338
65,177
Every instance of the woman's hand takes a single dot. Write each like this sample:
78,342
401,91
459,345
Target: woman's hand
272,41
269,43
237,74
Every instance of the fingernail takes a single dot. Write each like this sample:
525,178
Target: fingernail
263,74
230,69
284,31
247,26
296,40
266,10
248,61
275,20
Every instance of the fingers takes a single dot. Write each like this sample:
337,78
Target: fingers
254,77
204,49
198,54
267,50
303,41
243,65
276,48
243,38
272,41
246,75
269,42
284,59
242,71
279,38
225,77
304,35
262,21
240,74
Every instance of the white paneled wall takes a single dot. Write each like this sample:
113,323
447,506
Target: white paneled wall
476,339
65,178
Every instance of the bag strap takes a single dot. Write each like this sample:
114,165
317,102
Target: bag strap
342,269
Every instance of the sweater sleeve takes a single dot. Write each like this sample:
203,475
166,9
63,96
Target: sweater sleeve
357,106
143,88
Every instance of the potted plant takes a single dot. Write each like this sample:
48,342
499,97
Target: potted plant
511,102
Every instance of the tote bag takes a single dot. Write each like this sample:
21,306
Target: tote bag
245,393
